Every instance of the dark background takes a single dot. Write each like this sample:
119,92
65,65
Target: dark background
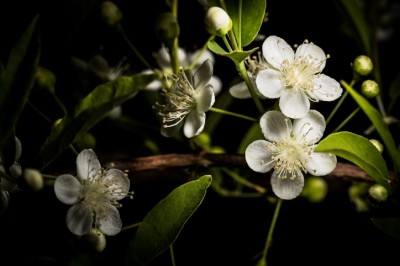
223,231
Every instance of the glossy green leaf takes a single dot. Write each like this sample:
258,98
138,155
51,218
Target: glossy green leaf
377,120
236,56
17,79
90,111
358,150
390,226
162,225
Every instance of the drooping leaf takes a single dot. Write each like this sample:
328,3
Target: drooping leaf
236,56
358,150
390,226
377,120
90,111
162,225
17,78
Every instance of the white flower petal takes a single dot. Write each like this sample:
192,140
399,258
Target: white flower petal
258,157
240,91
287,188
276,50
79,219
110,222
87,164
310,127
321,164
216,83
67,189
326,88
194,124
205,98
203,74
200,56
294,104
120,183
275,126
269,83
314,55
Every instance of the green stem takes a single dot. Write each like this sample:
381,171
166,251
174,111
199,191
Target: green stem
39,112
60,104
50,177
339,103
346,120
268,242
171,252
217,110
243,73
243,181
131,226
201,51
228,46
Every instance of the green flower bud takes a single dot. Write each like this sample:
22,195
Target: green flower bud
315,189
45,79
203,140
378,192
86,141
217,21
361,205
357,190
370,88
33,178
363,65
377,144
96,239
15,170
167,27
216,149
110,13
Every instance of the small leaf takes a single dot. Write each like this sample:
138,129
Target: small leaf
90,111
390,226
236,56
162,225
380,125
358,150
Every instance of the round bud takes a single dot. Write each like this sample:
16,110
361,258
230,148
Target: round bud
315,189
46,79
86,141
33,178
203,140
370,88
378,192
96,239
377,145
110,13
363,65
15,170
217,21
167,27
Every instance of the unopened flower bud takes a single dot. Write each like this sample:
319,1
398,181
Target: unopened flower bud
315,189
378,192
56,123
110,13
217,21
370,88
33,178
86,141
15,170
203,140
4,200
96,239
46,79
363,65
377,144
167,27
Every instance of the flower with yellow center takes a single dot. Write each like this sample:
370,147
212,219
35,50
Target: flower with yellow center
295,77
289,150
94,194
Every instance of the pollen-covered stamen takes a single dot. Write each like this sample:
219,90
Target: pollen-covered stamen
179,100
256,63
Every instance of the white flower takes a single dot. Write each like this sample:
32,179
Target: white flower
186,101
295,77
289,149
94,194
185,60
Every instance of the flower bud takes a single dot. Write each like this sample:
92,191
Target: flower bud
46,79
110,13
96,239
33,178
203,141
167,27
370,88
377,144
217,21
315,189
363,65
378,192
86,141
15,170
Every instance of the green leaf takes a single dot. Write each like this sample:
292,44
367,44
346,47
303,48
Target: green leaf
236,56
17,79
162,225
94,107
377,120
390,226
358,150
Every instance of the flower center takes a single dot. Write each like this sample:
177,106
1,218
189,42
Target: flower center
256,63
179,100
